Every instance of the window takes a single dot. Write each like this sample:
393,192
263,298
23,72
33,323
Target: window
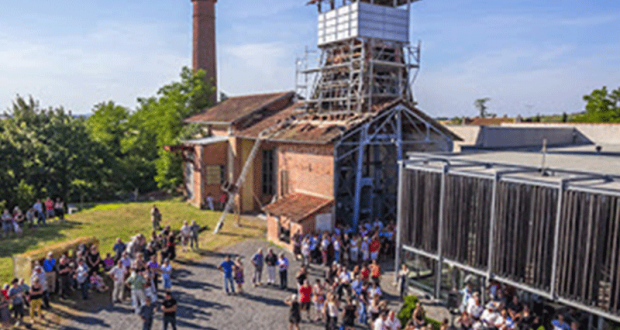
268,173
215,174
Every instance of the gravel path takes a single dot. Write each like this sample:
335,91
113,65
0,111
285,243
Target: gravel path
202,304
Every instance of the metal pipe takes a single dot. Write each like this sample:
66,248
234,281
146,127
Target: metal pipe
442,198
399,216
492,227
556,238
423,253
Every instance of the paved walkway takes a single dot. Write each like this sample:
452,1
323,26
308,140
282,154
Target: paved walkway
202,304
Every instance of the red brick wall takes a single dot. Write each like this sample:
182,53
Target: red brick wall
310,169
203,48
305,226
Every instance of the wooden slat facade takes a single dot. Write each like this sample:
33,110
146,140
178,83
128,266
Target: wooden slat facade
588,246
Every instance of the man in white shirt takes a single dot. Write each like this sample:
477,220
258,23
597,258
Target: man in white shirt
380,322
118,277
474,307
490,317
392,322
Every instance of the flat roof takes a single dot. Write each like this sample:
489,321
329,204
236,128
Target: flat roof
598,171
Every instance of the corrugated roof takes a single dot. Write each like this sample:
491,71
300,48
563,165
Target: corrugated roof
297,207
237,107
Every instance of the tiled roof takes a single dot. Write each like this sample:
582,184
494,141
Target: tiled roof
297,207
254,130
237,107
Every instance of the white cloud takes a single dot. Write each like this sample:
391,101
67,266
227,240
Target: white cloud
118,61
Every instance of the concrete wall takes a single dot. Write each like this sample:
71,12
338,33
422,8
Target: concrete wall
310,169
596,133
516,136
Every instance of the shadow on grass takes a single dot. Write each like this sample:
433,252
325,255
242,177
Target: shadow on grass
31,237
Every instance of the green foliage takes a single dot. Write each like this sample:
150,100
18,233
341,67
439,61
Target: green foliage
481,105
115,152
406,312
25,195
407,309
602,107
159,122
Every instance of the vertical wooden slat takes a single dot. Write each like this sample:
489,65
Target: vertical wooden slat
616,258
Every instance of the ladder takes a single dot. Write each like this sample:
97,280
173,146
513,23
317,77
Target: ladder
244,172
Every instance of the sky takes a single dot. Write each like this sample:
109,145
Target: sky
527,56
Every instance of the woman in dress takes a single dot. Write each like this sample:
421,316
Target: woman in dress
93,260
419,316
238,268
295,312
318,296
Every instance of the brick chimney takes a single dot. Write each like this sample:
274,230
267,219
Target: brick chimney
203,52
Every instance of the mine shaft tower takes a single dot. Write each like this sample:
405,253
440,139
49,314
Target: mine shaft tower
366,58
365,72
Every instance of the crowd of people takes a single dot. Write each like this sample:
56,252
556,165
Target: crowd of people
134,269
504,310
349,292
40,214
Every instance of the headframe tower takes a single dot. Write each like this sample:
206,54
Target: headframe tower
366,57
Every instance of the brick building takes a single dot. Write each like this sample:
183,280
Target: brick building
332,157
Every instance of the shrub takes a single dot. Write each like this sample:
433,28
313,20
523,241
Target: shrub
407,310
408,307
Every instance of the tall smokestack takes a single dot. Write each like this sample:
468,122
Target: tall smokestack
203,52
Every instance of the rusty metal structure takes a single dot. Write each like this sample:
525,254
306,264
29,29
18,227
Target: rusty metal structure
549,231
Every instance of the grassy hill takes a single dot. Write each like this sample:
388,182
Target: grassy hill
109,221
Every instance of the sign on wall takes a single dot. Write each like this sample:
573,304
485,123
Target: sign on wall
323,222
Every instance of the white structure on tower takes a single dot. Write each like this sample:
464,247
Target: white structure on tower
366,57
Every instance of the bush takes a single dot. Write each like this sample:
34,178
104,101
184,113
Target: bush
408,307
407,310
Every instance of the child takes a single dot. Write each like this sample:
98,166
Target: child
97,283
108,262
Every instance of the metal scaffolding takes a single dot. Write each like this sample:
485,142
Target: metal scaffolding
360,73
550,231
366,162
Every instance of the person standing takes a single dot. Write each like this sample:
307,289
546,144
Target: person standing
59,209
195,231
169,307
49,266
227,268
239,276
209,199
5,313
17,299
118,274
118,248
375,272
295,312
7,223
38,273
146,314
271,260
379,323
64,272
136,283
305,298
257,262
155,218
49,208
331,313
403,277
38,207
36,299
166,271
283,268
348,315
184,234
81,275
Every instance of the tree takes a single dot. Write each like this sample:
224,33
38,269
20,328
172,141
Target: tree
602,107
481,105
158,121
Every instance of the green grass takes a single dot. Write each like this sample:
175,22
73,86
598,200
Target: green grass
109,221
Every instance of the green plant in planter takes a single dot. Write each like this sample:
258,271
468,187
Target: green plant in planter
407,310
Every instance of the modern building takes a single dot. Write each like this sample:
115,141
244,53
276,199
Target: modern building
546,221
